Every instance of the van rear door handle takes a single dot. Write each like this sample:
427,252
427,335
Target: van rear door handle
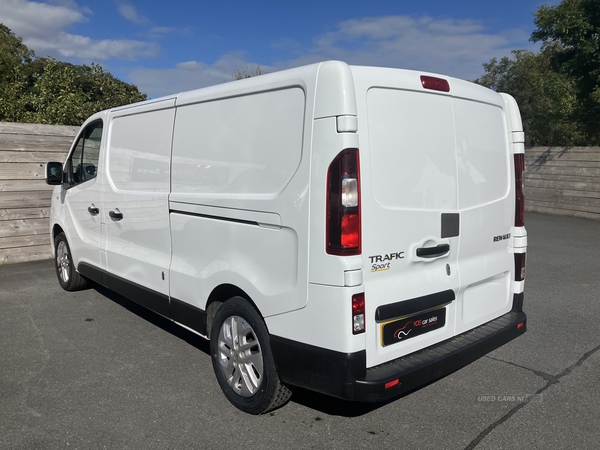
93,210
432,252
116,214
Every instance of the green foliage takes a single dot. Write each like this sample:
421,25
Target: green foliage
40,90
547,99
558,89
13,55
573,27
12,52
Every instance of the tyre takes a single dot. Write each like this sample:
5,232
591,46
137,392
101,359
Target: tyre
243,361
68,277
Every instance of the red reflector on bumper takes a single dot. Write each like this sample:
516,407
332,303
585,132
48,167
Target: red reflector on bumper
392,383
520,325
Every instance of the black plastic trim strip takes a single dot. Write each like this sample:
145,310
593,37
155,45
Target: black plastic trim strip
144,296
436,361
316,368
344,375
92,273
412,306
518,302
188,315
209,216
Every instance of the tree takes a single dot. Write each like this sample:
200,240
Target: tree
13,55
12,52
558,89
249,72
572,28
547,99
42,90
68,94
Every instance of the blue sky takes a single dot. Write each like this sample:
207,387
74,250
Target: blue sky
170,46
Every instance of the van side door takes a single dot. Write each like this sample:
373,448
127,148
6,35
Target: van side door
135,203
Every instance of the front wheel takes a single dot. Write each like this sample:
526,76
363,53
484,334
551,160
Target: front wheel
242,359
68,277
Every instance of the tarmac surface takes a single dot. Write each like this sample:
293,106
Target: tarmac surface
92,370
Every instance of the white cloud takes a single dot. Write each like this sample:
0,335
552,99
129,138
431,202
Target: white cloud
448,46
128,11
70,47
67,3
443,45
38,20
42,27
188,75
156,33
162,30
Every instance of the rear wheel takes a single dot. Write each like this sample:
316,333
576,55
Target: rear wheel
242,359
68,277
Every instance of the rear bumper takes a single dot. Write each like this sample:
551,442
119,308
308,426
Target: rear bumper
343,375
433,362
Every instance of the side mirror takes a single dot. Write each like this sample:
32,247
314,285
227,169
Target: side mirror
54,173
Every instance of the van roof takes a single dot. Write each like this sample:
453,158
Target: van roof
333,79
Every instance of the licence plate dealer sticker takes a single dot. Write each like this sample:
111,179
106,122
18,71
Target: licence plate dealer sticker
412,326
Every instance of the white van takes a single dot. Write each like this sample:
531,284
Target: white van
356,231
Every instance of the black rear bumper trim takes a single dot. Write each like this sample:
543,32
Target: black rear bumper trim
438,360
344,375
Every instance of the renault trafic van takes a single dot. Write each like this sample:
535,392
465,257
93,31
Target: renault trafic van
356,231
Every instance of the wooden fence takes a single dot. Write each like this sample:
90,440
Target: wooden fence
24,195
558,180
563,180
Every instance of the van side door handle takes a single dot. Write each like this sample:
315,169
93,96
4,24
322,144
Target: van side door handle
432,252
93,210
116,214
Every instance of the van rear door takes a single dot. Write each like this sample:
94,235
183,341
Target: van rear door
486,203
435,170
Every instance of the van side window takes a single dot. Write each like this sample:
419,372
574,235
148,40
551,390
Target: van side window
84,160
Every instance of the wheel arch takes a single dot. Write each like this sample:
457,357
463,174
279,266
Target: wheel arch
56,230
231,357
220,295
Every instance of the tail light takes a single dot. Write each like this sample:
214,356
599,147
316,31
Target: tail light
519,194
520,266
358,313
343,228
